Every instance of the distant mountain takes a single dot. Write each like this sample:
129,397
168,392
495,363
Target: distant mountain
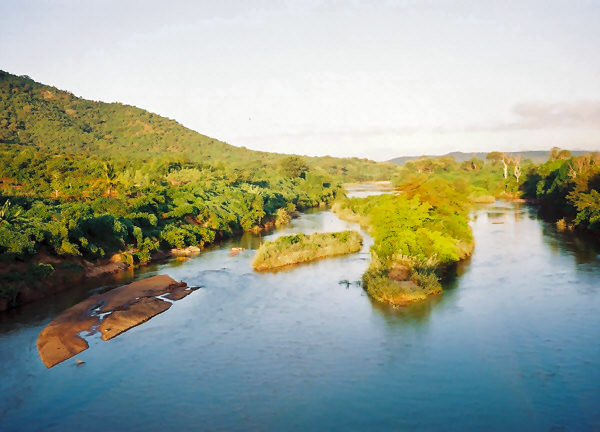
534,155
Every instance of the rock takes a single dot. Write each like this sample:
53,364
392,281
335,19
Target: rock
127,306
181,293
116,258
136,313
153,286
188,251
59,340
110,268
399,273
410,286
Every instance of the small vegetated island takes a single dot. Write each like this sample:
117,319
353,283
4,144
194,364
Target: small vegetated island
418,233
299,248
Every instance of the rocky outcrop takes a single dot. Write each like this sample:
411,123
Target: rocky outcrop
59,340
121,308
138,312
186,252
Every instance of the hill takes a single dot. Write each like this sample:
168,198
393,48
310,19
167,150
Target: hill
49,120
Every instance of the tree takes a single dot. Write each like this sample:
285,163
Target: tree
517,169
495,157
294,166
55,184
505,162
557,154
110,176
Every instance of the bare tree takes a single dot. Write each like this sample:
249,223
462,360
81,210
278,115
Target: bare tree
517,168
505,162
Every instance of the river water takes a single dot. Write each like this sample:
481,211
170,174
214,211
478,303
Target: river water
512,344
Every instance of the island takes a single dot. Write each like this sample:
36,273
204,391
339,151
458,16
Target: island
299,248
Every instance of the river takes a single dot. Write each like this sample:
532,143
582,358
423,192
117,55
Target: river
512,344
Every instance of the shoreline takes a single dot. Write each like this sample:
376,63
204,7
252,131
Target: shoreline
69,271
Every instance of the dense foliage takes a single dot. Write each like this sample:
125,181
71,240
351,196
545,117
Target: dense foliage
569,188
499,176
92,208
300,248
417,232
425,228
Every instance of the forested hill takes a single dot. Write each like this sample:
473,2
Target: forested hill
49,120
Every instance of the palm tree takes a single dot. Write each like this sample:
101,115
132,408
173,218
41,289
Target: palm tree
110,175
8,216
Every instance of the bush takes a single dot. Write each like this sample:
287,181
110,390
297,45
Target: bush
41,271
300,248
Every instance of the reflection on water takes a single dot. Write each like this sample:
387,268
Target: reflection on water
511,344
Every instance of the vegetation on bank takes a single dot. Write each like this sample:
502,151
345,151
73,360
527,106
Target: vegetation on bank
83,180
568,189
499,176
299,248
567,186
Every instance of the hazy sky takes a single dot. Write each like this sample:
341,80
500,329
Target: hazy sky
373,79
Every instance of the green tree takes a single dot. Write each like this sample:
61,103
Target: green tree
294,166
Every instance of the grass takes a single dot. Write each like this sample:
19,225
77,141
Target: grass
403,281
299,248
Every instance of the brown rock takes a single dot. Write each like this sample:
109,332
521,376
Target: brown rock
408,285
149,287
110,268
136,313
180,293
59,340
186,252
129,305
399,273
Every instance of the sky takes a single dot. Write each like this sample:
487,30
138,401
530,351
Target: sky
375,79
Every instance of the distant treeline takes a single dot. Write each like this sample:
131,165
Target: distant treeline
537,156
566,185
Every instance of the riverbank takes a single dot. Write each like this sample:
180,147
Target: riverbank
46,274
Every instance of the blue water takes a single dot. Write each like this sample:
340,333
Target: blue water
512,344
